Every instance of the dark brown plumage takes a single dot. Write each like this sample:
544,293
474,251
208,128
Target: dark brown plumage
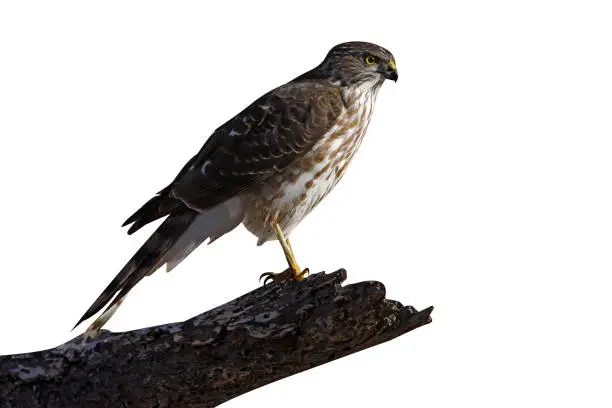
271,163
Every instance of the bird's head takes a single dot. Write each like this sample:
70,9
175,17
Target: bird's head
355,63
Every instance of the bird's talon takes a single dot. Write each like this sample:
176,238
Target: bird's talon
269,276
287,274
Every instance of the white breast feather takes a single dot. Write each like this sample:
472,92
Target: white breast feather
326,181
293,200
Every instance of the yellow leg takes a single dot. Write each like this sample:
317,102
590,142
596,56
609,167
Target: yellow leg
289,245
287,250
293,272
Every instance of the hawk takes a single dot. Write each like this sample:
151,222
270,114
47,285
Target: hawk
266,168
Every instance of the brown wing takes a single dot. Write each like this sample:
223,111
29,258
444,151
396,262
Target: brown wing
261,140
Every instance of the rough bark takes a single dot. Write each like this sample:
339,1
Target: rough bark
266,335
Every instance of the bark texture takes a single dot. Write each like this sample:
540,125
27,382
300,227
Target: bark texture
263,336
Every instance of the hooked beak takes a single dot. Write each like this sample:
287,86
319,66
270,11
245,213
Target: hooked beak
391,72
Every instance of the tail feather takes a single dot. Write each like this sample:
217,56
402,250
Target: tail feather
144,260
181,233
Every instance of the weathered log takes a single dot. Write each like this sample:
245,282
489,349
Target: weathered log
263,336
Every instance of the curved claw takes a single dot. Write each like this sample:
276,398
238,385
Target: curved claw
287,274
269,276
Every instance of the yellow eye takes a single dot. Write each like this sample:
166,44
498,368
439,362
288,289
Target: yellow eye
370,60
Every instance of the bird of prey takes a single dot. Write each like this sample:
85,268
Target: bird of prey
266,168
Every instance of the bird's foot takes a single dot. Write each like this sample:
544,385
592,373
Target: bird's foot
287,274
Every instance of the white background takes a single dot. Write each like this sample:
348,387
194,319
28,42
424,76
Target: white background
483,186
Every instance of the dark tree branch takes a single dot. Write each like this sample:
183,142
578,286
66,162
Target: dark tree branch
268,334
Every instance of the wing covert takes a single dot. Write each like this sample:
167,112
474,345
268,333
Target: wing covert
261,140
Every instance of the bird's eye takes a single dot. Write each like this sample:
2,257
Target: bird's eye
370,60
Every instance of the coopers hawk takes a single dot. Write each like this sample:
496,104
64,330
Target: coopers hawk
267,168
